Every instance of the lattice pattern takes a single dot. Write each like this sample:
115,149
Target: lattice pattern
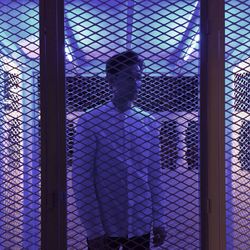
19,131
166,36
244,143
242,94
237,139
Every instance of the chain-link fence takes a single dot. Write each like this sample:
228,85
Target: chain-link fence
133,146
237,107
114,159
19,126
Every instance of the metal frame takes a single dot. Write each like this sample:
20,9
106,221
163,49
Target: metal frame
53,125
212,125
53,143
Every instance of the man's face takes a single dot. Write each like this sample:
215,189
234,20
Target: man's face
127,82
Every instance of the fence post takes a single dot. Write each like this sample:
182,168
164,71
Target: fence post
53,145
212,80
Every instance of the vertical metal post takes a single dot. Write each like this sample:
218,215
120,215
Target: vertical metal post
53,148
212,125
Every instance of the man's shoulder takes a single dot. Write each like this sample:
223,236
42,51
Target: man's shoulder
146,118
92,118
143,114
95,112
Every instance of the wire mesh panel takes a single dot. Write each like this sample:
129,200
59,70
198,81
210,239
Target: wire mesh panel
19,126
237,22
132,104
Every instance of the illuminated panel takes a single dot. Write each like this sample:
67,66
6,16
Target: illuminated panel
244,143
242,94
19,126
12,167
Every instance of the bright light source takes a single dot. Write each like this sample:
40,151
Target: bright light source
68,53
243,66
30,46
191,49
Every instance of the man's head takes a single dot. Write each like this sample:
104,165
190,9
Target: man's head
124,72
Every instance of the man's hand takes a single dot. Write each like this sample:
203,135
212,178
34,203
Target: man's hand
159,236
97,243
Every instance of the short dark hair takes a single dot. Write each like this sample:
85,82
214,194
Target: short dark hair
119,61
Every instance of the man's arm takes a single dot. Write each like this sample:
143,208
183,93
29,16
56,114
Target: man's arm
156,186
84,151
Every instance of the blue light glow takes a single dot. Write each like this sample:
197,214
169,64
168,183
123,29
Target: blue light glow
68,52
191,49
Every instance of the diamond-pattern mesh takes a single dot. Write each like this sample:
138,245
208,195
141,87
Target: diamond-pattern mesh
237,27
137,167
19,126
165,34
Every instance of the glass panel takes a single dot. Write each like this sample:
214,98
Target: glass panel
132,123
237,86
19,125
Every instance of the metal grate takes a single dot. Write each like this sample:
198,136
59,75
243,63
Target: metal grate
242,86
165,34
237,71
19,130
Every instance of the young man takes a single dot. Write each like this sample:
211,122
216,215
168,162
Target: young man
116,166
